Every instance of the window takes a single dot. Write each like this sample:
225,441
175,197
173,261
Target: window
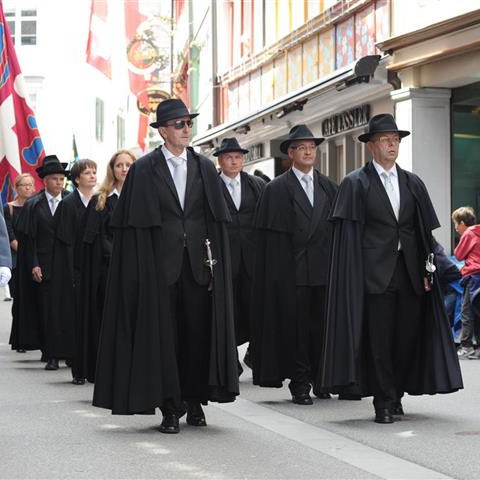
23,26
99,119
120,132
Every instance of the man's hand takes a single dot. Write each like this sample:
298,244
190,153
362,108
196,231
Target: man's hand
37,274
426,284
5,276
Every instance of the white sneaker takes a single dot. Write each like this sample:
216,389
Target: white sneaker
465,351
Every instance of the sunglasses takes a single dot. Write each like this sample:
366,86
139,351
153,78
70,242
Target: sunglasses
180,124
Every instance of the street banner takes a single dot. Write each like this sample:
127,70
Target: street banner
21,148
99,45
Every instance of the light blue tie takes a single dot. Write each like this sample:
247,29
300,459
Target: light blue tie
179,177
235,193
307,179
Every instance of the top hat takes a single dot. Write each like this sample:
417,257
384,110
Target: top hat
51,165
384,122
169,110
229,145
299,132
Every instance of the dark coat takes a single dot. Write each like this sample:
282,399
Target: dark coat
293,242
96,254
136,366
436,368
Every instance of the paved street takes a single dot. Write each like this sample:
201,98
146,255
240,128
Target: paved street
48,429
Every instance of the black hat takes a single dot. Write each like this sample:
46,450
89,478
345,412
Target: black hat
384,122
51,165
299,132
169,110
229,145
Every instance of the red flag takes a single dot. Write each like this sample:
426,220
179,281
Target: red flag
99,46
138,84
21,149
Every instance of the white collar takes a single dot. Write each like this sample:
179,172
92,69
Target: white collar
379,168
83,198
299,174
114,192
227,179
168,154
50,196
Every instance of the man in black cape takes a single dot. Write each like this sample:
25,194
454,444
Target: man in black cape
242,192
291,271
167,336
387,331
42,321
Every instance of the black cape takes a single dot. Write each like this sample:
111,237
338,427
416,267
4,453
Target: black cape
272,345
96,251
436,368
136,366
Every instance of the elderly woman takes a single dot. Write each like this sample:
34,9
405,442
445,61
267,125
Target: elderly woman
96,253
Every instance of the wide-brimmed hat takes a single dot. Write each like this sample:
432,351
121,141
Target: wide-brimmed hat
51,165
169,110
297,133
229,145
384,122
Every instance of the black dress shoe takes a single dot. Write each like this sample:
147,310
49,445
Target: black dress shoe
349,396
78,381
246,358
68,362
169,424
322,395
52,364
239,368
397,409
302,399
195,415
21,350
383,415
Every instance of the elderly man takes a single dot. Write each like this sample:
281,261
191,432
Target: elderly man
387,331
241,192
168,336
291,270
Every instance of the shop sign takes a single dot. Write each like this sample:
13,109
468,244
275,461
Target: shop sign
347,120
255,152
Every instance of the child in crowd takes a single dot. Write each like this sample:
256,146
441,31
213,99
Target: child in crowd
468,249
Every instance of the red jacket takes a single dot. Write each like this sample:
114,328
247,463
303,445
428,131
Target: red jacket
468,249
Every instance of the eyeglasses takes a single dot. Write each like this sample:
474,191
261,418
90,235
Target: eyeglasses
304,148
388,140
180,124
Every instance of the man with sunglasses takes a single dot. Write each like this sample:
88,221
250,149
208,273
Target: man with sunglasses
292,255
168,337
387,332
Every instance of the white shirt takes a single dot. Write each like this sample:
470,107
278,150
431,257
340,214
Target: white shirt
58,198
114,192
393,177
83,198
168,155
300,175
227,181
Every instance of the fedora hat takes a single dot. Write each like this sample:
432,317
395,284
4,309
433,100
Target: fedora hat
229,145
51,165
384,122
169,110
299,132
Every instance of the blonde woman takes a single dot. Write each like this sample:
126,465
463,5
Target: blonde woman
96,253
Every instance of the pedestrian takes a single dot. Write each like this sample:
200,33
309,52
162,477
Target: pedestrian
96,254
67,264
242,192
387,331
291,271
42,323
168,334
468,249
24,186
5,255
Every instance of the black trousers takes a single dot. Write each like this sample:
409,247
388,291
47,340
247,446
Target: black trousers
242,286
310,327
191,316
392,320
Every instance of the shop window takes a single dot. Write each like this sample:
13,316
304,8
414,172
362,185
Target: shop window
120,132
23,26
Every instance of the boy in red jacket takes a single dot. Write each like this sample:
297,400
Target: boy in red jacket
468,249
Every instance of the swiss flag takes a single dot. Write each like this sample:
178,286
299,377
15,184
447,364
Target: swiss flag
99,46
21,148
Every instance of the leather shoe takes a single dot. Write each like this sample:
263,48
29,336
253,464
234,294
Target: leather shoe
302,399
246,359
52,364
383,415
322,395
21,350
195,415
349,396
169,424
397,409
78,381
239,368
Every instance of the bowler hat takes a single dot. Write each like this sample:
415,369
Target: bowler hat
229,145
51,165
384,122
297,133
169,110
